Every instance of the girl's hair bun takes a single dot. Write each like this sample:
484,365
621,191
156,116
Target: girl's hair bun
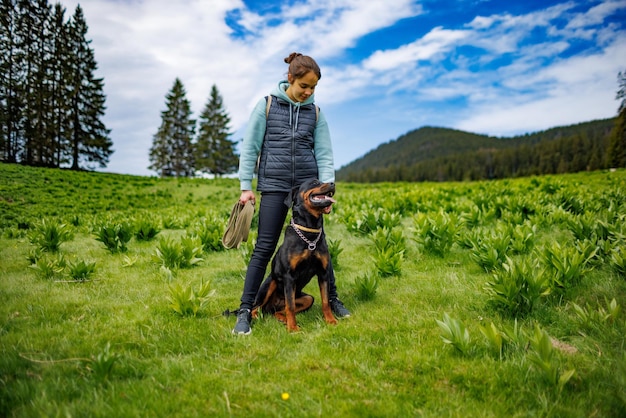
292,56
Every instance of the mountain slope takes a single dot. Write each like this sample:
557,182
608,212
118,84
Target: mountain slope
427,145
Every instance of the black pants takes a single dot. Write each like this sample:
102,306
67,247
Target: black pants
272,214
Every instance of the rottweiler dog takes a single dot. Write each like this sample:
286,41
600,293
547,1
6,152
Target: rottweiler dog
302,255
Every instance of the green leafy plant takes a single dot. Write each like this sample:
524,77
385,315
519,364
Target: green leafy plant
129,261
567,265
186,301
454,333
80,270
209,231
515,335
518,286
590,318
49,267
437,233
191,251
48,235
101,365
490,251
543,358
366,286
385,238
494,337
473,217
34,254
146,230
115,236
522,238
334,248
388,262
179,254
618,260
370,219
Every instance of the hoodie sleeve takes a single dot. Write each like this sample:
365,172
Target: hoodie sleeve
251,146
324,151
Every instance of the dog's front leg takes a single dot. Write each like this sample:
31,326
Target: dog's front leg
326,311
290,304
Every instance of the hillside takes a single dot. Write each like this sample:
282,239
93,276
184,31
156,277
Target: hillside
420,154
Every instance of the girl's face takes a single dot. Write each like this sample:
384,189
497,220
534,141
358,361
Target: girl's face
301,88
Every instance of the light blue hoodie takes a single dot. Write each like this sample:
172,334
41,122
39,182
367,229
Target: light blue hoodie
255,133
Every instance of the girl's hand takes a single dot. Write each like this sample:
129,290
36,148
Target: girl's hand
247,195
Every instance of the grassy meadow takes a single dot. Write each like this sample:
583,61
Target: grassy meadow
483,299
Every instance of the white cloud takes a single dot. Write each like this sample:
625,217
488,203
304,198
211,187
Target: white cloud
508,80
575,90
438,41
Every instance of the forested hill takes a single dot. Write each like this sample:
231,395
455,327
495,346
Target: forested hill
441,154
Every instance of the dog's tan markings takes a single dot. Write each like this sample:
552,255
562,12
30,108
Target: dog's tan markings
290,313
268,296
306,195
323,259
296,259
326,311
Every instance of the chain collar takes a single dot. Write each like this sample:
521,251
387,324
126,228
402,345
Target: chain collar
312,244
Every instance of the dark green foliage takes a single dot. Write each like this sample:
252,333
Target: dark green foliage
616,152
214,153
366,286
436,233
52,103
209,231
518,286
49,234
440,154
101,365
184,253
186,301
171,154
80,270
146,230
115,236
334,248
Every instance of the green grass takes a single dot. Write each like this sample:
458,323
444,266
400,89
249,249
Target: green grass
112,345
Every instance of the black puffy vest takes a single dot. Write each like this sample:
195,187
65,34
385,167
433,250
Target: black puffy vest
287,154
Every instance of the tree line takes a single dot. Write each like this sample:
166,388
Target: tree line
177,151
51,102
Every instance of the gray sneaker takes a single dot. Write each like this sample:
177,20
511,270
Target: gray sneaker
242,327
338,309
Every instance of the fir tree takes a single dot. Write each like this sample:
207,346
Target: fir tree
50,102
89,136
60,126
616,152
171,154
214,152
11,119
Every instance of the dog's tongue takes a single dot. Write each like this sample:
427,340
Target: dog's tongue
329,208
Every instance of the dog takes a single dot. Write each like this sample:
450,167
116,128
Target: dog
302,255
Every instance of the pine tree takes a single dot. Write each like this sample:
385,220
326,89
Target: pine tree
616,151
214,152
11,117
60,126
31,36
171,154
89,136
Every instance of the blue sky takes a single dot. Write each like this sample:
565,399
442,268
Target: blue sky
388,66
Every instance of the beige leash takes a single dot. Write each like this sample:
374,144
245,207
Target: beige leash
238,226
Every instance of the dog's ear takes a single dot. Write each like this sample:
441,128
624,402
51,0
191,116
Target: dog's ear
291,197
